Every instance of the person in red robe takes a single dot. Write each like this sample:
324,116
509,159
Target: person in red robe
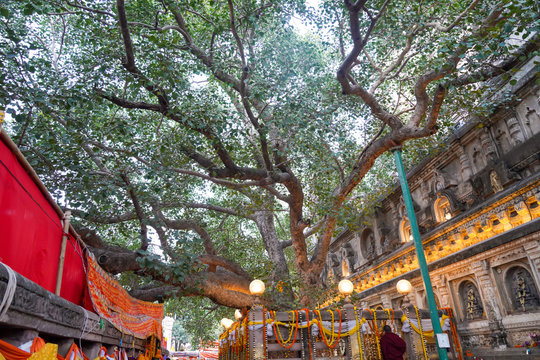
392,346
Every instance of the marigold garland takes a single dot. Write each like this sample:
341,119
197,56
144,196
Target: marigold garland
453,329
265,335
309,332
333,333
421,333
246,334
278,334
359,326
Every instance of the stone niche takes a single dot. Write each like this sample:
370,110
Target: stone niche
518,289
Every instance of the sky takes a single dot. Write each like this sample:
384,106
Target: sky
300,25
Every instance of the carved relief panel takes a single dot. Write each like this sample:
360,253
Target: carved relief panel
367,244
528,112
471,302
519,288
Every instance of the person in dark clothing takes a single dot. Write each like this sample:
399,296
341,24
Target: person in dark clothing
392,346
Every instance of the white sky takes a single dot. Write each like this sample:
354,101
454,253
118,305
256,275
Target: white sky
300,25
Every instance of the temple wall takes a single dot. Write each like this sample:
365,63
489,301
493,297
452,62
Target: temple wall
478,209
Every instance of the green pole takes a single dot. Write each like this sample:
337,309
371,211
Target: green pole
443,355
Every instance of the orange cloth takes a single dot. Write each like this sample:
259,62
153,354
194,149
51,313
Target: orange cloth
37,344
11,352
112,302
74,353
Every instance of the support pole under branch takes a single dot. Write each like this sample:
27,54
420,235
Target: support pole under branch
434,314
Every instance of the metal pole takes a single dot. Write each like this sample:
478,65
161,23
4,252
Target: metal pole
443,355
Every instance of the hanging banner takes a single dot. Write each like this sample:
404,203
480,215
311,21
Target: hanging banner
112,302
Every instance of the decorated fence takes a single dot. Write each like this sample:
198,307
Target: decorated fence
347,333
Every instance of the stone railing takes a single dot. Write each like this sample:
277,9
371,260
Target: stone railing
348,333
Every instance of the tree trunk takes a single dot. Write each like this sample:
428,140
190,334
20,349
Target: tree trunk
280,273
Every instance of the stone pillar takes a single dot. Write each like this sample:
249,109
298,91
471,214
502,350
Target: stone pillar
532,249
466,171
491,307
515,130
256,337
487,145
92,350
408,336
63,345
354,342
386,302
441,284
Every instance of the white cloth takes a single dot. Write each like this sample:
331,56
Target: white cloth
426,325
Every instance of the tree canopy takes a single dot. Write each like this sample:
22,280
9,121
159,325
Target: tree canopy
202,143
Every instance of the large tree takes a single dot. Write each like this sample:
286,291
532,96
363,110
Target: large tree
219,129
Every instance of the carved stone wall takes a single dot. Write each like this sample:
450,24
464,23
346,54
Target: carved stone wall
52,317
490,176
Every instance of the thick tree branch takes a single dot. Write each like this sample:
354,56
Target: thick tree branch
129,62
223,287
126,104
183,224
224,263
103,219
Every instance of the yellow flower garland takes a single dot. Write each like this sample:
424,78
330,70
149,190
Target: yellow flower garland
425,333
358,327
421,333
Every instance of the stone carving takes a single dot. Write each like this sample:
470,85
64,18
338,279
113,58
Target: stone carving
515,131
522,289
334,264
495,181
471,301
503,141
464,163
367,244
478,159
51,314
533,120
509,255
348,254
487,145
443,180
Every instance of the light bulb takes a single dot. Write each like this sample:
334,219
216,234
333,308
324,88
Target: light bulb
237,314
403,287
256,287
447,216
345,287
226,323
